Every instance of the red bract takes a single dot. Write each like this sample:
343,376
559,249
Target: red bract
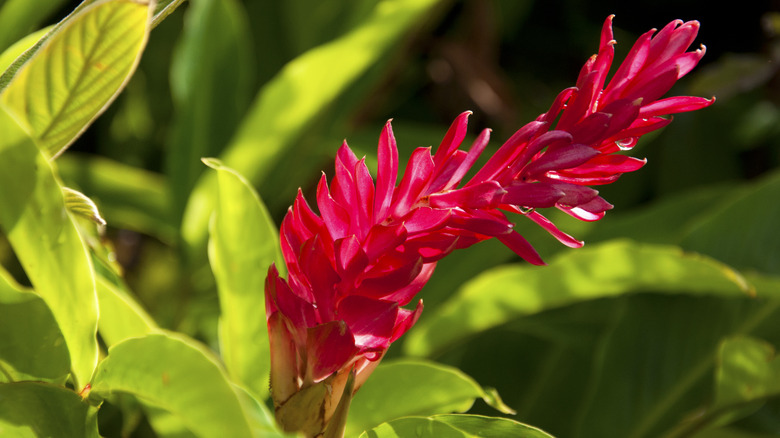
373,246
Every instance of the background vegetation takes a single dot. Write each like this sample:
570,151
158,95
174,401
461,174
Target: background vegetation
637,334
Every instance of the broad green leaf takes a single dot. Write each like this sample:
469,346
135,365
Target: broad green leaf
129,198
743,230
78,72
617,267
454,426
748,370
293,100
47,243
244,242
163,8
212,82
31,344
18,17
413,387
33,409
121,317
174,373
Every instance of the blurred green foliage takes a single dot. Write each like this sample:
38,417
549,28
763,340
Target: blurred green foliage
638,337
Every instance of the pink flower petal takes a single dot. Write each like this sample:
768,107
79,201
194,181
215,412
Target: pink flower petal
521,247
371,321
564,158
554,231
389,274
336,218
452,139
415,180
284,364
533,195
387,173
329,348
405,320
483,195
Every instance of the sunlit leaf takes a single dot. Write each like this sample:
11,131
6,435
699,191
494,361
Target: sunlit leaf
121,317
80,205
81,68
47,243
618,267
31,344
454,426
8,56
33,409
244,242
175,374
412,387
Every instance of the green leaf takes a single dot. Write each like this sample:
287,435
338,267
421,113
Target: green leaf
413,387
163,9
121,317
80,205
47,243
244,242
617,267
754,243
748,371
18,17
176,374
130,198
33,409
31,344
297,96
8,56
78,72
454,426
212,82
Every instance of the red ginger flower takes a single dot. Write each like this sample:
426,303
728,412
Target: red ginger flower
374,245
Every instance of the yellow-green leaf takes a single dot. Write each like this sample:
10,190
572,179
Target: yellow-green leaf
78,72
243,244
47,243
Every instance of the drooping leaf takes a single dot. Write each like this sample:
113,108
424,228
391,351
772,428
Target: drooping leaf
34,409
81,68
454,426
413,387
31,344
294,99
176,374
610,269
244,242
47,243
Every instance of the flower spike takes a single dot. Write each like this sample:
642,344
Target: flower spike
373,246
